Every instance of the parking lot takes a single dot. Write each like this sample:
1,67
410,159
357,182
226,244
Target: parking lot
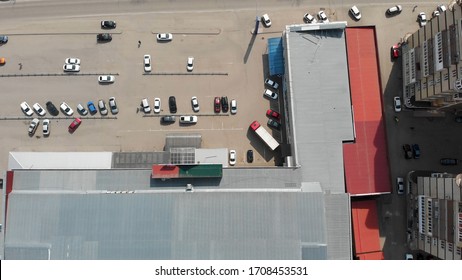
218,46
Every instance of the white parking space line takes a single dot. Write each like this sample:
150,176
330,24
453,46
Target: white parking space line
182,130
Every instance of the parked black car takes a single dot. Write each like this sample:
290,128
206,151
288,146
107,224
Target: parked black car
407,151
172,104
416,151
52,109
104,37
274,124
249,156
108,24
167,119
224,104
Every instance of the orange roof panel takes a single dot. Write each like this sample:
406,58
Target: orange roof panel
366,161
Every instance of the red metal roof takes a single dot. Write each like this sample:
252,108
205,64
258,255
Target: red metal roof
365,228
166,171
366,162
371,256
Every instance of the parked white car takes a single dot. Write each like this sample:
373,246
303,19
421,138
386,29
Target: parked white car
105,79
188,119
82,110
156,105
26,109
308,18
66,109
232,157
397,103
394,10
441,8
71,68
195,104
164,37
422,18
265,19
271,83
355,12
147,63
39,109
270,94
322,16
46,127
145,105
72,60
233,106
190,63
400,185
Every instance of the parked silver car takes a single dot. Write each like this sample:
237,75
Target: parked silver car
33,126
102,107
113,105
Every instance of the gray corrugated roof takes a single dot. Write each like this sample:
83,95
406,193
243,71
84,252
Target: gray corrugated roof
55,160
318,93
140,179
80,210
210,225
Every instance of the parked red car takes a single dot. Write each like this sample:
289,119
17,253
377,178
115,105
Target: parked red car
395,51
74,125
217,105
273,114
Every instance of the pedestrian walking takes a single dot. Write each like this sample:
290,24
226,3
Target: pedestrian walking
20,65
139,44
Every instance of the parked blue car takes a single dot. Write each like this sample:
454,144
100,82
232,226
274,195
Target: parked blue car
91,107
